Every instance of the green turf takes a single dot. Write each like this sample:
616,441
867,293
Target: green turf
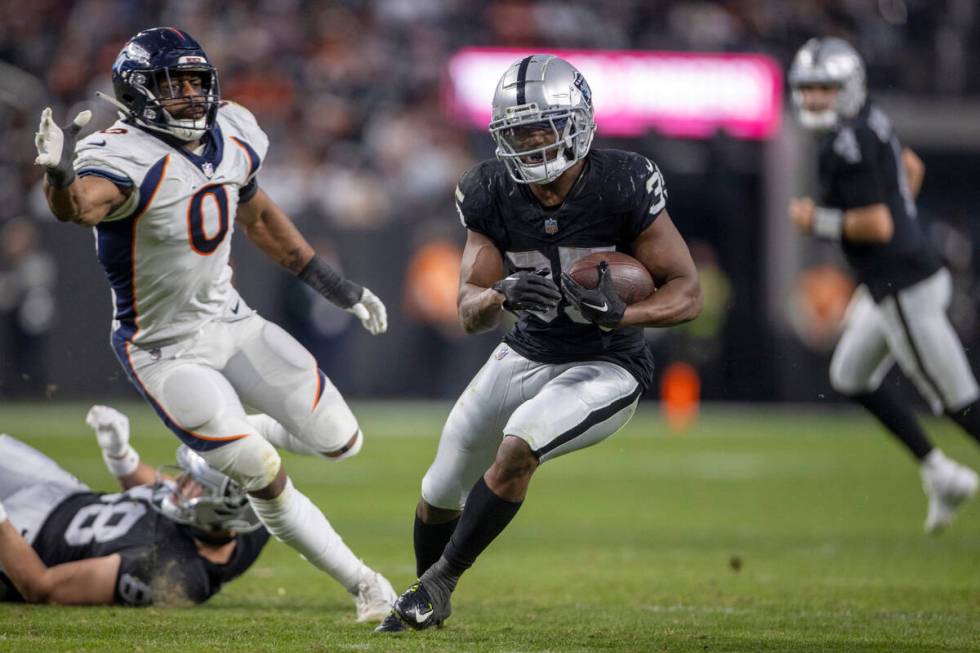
627,546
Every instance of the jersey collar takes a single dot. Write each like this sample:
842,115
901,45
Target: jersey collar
208,160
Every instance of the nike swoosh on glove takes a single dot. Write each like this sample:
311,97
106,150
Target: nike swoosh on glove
56,147
528,291
371,312
601,305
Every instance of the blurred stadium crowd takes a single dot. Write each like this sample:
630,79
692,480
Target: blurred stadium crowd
350,91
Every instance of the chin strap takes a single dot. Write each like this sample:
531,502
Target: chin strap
126,114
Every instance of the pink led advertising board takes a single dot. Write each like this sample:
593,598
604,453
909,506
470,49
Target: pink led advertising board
679,94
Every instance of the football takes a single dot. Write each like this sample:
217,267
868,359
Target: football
631,279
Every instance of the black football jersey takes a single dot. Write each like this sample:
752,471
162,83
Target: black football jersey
159,560
617,196
861,164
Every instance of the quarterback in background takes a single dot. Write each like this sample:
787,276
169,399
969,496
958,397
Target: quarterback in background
868,186
571,371
163,189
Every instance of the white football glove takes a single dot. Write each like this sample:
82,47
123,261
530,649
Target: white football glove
371,312
111,429
56,146
3,513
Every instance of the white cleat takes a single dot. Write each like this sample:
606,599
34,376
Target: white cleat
948,484
374,597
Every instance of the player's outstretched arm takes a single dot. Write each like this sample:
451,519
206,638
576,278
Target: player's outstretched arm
662,249
83,582
865,224
274,233
121,459
479,305
85,201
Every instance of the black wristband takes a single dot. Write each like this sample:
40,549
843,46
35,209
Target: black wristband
322,278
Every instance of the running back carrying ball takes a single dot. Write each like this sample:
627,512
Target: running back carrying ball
631,279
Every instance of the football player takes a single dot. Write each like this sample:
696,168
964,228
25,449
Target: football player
570,372
163,189
868,186
158,542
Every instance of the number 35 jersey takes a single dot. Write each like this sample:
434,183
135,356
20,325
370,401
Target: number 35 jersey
159,559
617,196
165,250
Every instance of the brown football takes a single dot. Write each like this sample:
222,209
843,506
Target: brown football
631,279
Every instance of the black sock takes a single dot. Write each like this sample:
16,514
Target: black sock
430,541
898,418
484,518
969,419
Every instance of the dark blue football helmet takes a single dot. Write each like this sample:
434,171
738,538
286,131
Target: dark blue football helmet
148,70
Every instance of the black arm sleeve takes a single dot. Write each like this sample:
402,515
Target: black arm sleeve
321,277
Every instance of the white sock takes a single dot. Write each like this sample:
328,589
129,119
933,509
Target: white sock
278,436
294,519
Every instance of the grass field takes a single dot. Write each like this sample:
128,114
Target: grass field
628,546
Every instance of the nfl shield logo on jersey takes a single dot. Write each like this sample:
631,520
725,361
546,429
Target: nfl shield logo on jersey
551,226
208,169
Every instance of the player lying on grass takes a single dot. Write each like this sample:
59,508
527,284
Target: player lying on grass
868,187
571,371
159,541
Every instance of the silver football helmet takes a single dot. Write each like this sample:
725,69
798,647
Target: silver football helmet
543,120
205,498
830,61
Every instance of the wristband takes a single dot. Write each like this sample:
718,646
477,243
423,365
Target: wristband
828,223
3,513
123,465
322,278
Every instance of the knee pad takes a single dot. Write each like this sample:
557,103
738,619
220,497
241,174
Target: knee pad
251,461
191,397
442,492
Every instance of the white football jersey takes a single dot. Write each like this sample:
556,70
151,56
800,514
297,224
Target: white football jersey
165,251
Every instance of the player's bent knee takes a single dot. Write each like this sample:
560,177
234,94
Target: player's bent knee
349,450
442,493
844,381
191,398
251,461
514,459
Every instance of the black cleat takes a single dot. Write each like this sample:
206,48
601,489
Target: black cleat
391,624
416,608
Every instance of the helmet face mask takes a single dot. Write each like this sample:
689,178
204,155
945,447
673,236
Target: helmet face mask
149,78
204,498
542,119
824,64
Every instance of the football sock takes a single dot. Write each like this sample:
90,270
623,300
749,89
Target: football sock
430,541
969,419
294,519
898,418
484,518
278,436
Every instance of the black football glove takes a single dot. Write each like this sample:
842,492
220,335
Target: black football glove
601,306
528,291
